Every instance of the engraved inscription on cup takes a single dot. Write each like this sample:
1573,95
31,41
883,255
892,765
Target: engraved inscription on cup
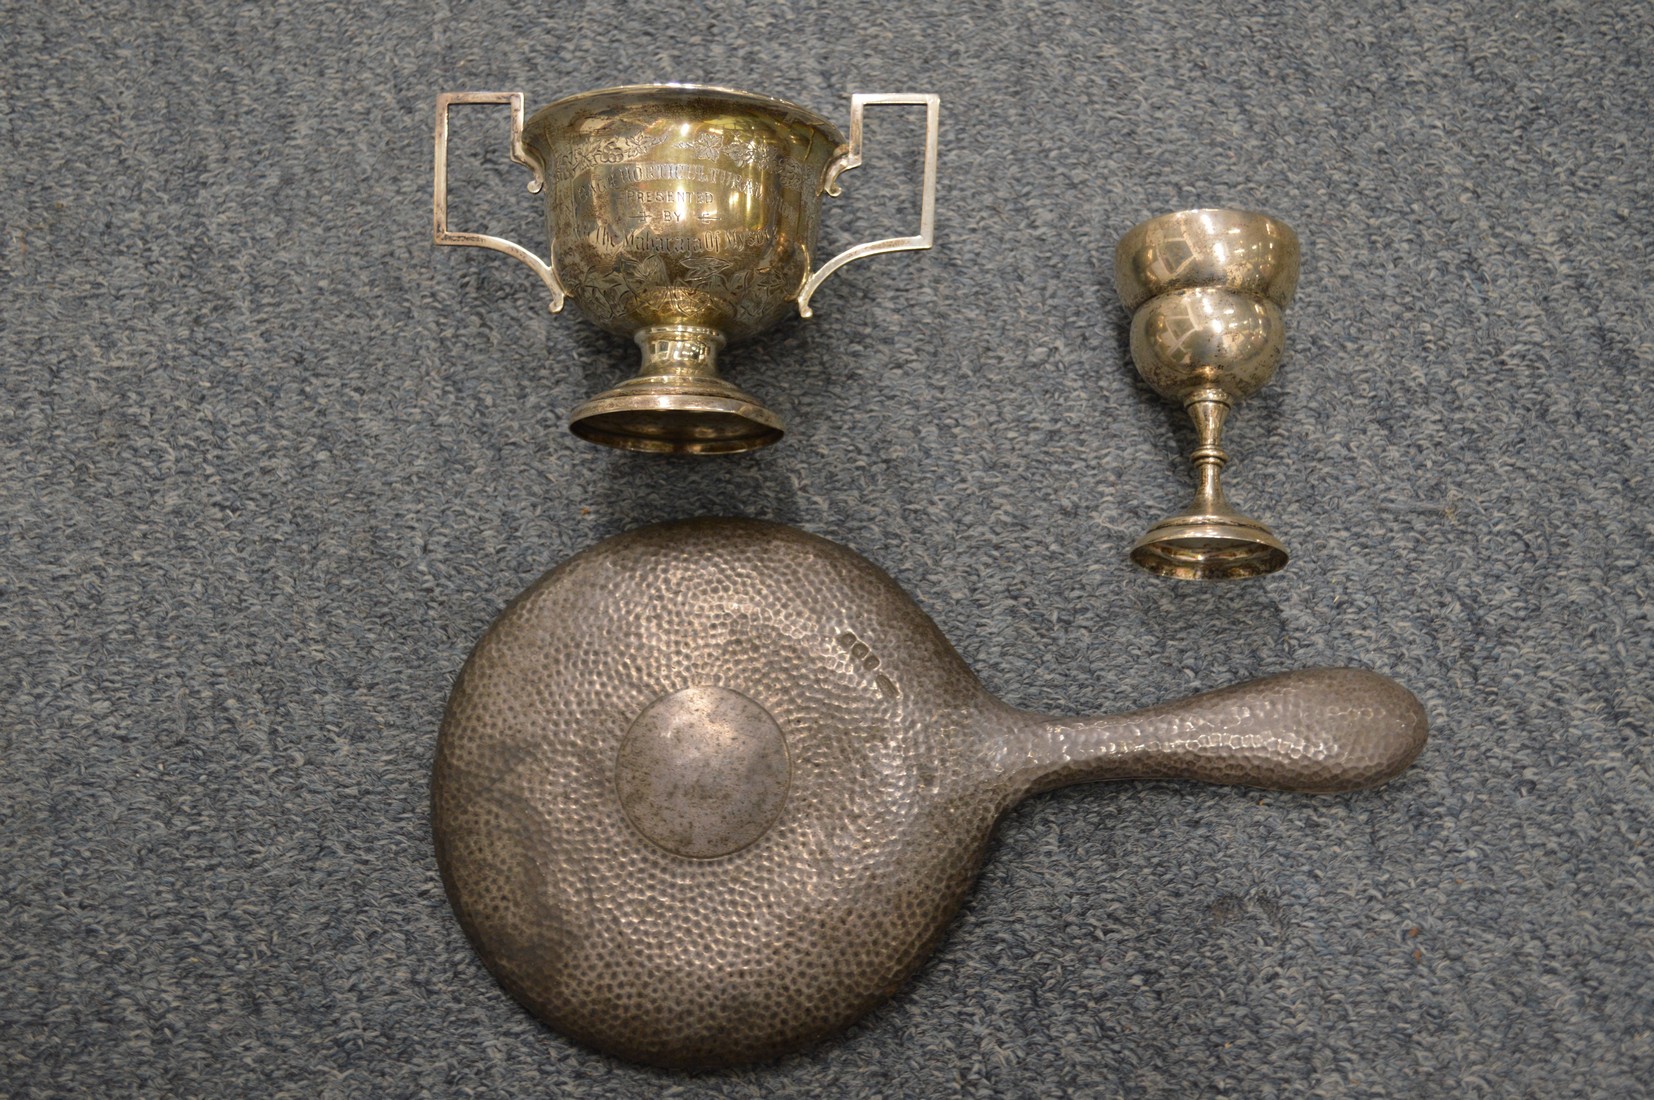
683,217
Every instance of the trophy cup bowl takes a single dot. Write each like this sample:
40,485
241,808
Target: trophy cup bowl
684,216
1206,288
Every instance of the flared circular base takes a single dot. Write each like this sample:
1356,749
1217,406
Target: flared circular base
1209,548
666,415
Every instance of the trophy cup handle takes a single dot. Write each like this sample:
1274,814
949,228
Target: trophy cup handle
439,198
852,159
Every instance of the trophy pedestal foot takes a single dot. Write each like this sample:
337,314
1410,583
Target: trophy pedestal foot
674,414
1209,547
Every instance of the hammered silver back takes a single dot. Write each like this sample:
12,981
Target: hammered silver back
711,790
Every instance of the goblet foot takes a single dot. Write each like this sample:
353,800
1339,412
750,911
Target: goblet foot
677,414
1207,547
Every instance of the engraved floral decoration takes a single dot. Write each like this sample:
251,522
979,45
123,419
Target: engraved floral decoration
576,158
743,151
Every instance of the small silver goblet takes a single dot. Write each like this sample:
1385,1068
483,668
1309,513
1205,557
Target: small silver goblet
1206,288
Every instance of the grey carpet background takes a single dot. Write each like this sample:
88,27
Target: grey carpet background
270,462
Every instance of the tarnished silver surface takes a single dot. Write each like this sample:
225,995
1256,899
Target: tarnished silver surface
1206,288
683,216
711,790
703,772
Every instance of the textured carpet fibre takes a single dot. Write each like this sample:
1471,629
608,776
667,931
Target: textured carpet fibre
270,462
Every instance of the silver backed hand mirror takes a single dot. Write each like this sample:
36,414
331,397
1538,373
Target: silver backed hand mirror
711,790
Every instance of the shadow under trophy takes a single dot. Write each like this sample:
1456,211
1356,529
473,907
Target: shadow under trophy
684,216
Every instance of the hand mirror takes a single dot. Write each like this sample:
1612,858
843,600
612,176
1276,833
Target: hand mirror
710,790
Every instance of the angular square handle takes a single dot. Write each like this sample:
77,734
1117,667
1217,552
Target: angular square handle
439,197
852,159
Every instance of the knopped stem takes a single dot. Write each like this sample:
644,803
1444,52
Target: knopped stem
1209,407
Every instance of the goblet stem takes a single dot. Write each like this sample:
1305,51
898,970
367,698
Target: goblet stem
1210,541
1208,407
